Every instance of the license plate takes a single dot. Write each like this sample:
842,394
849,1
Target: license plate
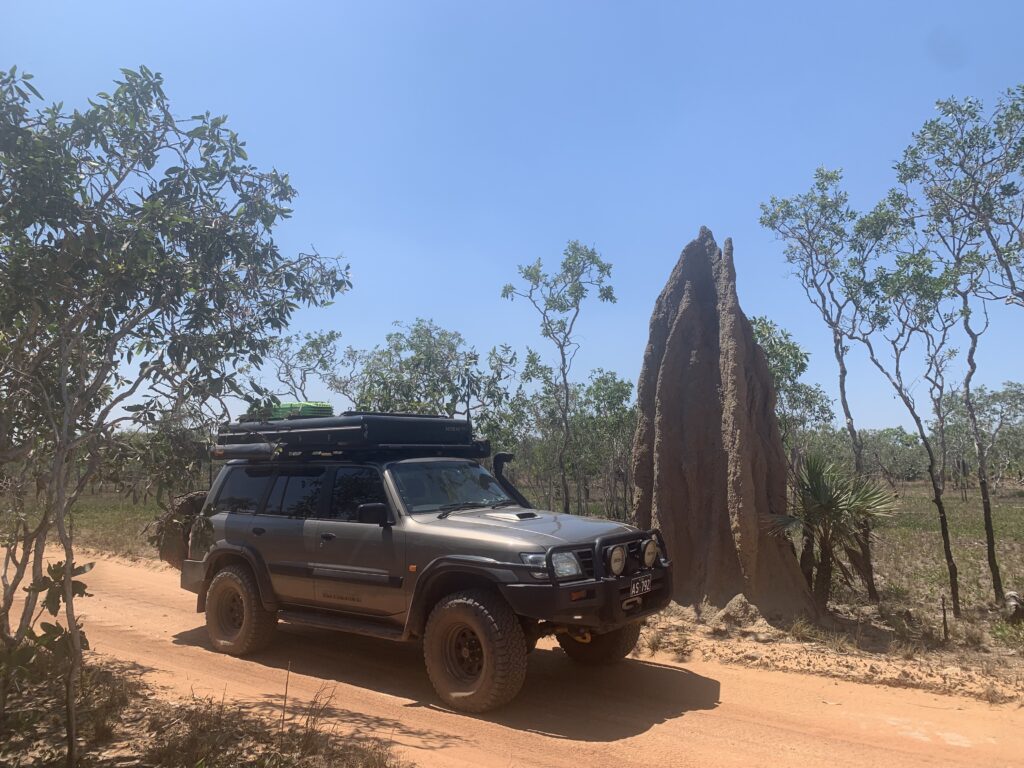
641,585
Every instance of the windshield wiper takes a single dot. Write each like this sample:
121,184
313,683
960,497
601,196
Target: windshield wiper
447,509
505,503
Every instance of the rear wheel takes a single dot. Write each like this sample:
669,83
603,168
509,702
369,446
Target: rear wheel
235,617
475,651
602,649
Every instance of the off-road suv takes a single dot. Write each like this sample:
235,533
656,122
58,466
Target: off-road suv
388,525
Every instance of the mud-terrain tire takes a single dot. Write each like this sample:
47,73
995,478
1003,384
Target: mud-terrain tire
602,649
235,617
475,651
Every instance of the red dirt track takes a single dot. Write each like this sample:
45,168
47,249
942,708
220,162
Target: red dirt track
640,713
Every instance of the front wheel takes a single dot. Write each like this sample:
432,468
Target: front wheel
236,620
475,651
602,649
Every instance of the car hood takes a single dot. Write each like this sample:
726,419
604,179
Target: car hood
536,526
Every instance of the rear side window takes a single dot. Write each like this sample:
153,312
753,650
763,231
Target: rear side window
243,489
296,492
354,486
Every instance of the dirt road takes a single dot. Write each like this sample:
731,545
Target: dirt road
640,713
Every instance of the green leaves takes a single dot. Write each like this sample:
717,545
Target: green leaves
51,586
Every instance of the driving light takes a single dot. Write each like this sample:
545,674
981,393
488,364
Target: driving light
564,563
617,560
649,552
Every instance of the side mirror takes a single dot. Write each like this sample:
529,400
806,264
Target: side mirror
375,513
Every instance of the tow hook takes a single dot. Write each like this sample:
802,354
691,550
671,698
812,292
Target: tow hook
580,635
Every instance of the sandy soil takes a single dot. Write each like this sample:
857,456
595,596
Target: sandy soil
641,713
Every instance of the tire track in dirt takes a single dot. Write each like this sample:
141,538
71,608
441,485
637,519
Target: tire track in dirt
640,713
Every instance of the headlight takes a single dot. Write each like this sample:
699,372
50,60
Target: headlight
617,560
564,563
649,552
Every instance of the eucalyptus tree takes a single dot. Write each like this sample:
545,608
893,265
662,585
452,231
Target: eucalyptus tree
908,313
962,182
138,272
296,360
604,425
558,299
895,455
424,368
801,408
968,165
818,229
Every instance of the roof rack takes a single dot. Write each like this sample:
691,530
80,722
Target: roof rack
354,432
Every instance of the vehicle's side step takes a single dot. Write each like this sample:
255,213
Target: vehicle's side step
341,623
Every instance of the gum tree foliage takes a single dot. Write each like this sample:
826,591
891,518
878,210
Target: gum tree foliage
604,424
1008,444
298,359
424,368
801,407
968,168
603,421
894,455
557,298
1000,418
137,273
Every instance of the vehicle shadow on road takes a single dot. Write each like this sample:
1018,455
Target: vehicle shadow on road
567,700
560,699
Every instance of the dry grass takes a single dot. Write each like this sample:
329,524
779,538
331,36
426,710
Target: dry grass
909,557
121,722
111,522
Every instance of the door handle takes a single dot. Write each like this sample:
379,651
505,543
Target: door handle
327,536
259,531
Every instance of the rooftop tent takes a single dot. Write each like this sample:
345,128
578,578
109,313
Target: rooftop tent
359,432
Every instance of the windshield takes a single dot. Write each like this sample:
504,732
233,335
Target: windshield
432,486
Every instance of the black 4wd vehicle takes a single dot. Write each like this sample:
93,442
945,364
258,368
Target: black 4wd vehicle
386,525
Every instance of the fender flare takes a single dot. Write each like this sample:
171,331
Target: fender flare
255,562
450,567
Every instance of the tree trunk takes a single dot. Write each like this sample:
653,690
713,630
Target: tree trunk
823,578
982,452
807,557
935,472
860,558
855,441
74,671
947,549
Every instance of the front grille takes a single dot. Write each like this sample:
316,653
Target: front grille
586,558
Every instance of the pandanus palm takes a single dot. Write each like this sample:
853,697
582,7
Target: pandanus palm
831,505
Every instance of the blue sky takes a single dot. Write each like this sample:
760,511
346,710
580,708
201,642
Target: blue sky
435,146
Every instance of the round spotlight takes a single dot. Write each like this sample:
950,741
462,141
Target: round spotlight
617,560
649,552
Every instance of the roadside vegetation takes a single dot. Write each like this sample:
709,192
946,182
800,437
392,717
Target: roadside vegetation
123,723
142,293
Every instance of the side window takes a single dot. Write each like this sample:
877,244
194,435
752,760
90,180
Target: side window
354,486
296,492
243,489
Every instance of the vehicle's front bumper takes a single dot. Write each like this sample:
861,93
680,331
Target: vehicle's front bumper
600,604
